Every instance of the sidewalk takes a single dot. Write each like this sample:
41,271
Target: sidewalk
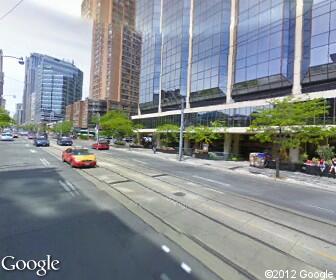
243,167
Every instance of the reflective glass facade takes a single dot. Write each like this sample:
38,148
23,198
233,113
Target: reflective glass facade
175,51
265,45
319,61
148,24
210,49
58,84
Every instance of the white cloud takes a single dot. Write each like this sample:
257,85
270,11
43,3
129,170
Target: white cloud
38,26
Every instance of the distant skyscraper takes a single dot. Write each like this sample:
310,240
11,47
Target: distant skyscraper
1,78
18,117
115,58
52,84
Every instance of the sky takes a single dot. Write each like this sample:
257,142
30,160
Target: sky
51,27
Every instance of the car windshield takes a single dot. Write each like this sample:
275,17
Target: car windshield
81,152
6,134
41,138
66,139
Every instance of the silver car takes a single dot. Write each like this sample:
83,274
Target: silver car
6,137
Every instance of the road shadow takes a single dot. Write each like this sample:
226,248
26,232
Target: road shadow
39,218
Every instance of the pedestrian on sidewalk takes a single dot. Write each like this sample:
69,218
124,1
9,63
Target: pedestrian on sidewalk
154,148
333,167
322,166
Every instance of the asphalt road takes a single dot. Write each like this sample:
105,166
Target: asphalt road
49,209
306,200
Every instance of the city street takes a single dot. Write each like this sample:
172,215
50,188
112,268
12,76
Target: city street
230,223
49,209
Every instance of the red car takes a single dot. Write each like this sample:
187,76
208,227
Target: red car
79,157
101,145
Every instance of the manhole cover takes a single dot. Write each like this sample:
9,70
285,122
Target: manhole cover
179,194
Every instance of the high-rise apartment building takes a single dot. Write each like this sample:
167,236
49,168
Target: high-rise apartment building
52,84
115,58
228,58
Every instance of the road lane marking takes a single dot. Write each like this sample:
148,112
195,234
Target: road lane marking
164,276
321,208
45,162
32,151
66,188
212,181
165,248
213,190
72,187
139,161
186,267
27,145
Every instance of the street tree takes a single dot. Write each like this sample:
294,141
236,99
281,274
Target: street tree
168,133
202,134
288,123
5,119
117,124
63,128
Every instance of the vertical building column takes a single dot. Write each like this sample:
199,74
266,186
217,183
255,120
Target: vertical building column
190,52
227,145
160,86
232,50
298,47
236,138
294,155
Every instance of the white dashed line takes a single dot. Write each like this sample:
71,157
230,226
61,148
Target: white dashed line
186,267
164,276
213,190
27,145
45,162
165,248
321,208
66,188
139,161
212,181
72,187
32,151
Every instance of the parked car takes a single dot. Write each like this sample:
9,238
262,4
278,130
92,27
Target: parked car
101,145
6,136
64,141
79,157
31,135
41,142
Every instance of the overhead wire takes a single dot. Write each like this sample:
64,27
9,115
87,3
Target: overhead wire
11,10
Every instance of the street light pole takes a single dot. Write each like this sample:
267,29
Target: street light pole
181,130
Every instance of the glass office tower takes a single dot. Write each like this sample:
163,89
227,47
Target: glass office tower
264,48
319,59
148,24
58,84
210,49
175,52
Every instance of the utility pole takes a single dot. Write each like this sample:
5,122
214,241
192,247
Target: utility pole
181,130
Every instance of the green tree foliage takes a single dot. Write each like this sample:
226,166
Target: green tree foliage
5,119
116,124
203,134
289,123
326,152
168,133
63,128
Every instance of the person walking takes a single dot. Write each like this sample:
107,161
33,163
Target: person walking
154,148
322,166
333,167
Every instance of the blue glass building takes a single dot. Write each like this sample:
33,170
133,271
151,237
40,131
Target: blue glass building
229,57
148,23
57,83
210,49
319,56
